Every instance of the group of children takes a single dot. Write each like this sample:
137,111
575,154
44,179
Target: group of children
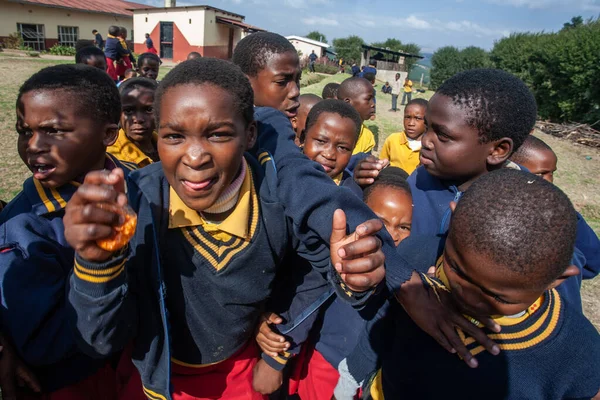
274,255
117,59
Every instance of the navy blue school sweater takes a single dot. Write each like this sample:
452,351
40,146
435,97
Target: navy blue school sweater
551,355
300,294
35,263
310,197
182,294
431,216
114,50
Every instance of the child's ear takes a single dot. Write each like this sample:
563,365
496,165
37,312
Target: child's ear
251,134
348,100
110,134
571,270
501,150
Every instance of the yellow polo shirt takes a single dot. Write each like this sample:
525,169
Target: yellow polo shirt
400,155
125,150
408,86
365,142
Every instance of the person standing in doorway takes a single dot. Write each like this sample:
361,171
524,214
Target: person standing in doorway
407,91
396,89
98,41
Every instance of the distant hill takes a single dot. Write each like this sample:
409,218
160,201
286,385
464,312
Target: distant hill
422,68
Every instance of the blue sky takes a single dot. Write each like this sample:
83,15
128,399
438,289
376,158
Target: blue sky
430,23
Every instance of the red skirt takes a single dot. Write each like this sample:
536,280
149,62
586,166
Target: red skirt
230,379
100,386
313,377
111,70
152,50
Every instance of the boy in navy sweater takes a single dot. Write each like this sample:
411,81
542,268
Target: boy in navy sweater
60,141
210,234
510,244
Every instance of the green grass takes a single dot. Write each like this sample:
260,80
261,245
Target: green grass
577,175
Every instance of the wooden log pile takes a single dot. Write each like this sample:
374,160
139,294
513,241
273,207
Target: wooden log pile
578,133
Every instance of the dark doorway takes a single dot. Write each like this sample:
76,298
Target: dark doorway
166,40
230,44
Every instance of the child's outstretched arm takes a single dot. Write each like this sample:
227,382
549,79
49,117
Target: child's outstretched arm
105,311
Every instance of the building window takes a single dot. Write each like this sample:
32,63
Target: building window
68,35
32,35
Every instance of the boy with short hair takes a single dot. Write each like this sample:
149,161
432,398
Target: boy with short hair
60,140
396,90
330,91
98,41
136,142
307,102
402,149
540,159
148,65
193,55
386,88
358,92
510,244
92,56
271,63
130,73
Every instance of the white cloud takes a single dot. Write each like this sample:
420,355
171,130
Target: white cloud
585,5
472,27
320,21
417,23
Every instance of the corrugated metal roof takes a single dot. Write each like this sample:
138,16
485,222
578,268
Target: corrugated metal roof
113,7
240,24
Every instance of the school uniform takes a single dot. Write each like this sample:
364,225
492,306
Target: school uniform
35,263
189,292
127,59
407,96
114,52
550,351
363,148
400,152
431,216
311,215
124,149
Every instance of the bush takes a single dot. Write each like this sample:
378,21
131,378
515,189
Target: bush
60,50
13,41
562,69
33,53
311,79
326,69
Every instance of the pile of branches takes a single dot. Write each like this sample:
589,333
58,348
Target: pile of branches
579,133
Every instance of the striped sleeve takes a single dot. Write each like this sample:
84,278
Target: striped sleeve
97,279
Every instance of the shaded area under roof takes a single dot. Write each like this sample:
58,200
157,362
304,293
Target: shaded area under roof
386,51
233,22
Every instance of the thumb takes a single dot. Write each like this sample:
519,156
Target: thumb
338,227
117,178
274,319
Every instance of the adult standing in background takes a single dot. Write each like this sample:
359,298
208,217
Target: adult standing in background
407,90
312,58
396,90
150,45
355,70
98,41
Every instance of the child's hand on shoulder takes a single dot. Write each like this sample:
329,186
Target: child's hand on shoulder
368,169
265,379
86,222
270,342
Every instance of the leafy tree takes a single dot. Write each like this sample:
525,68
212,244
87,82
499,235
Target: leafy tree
349,48
316,35
446,62
474,57
575,22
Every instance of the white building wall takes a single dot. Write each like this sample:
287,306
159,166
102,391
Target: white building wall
307,48
189,22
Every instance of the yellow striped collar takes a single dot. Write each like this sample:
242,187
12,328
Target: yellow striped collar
236,224
500,319
124,149
48,200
